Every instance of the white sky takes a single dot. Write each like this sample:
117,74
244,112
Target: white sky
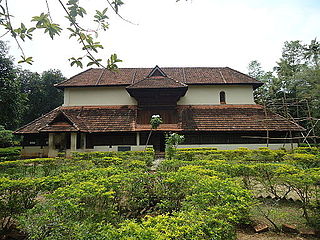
206,33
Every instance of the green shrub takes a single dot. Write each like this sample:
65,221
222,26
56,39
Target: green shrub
197,149
303,160
309,150
6,137
9,153
16,196
197,195
172,141
146,156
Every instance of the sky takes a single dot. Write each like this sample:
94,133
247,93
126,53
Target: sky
193,33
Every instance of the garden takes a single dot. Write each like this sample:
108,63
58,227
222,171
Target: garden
193,194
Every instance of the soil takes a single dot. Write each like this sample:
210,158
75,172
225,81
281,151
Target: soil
241,235
245,235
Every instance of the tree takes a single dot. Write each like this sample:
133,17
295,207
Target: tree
12,101
291,63
299,71
312,52
86,36
271,86
292,60
6,137
41,93
25,95
155,122
255,70
172,142
310,92
297,80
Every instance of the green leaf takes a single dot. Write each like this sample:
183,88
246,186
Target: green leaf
27,60
30,30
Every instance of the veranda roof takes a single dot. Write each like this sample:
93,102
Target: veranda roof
190,118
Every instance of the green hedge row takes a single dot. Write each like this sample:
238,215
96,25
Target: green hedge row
10,153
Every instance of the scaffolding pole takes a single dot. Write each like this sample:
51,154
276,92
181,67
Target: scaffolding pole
282,105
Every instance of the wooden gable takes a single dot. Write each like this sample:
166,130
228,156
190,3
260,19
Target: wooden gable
157,90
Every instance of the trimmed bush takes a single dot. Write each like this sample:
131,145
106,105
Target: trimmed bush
10,153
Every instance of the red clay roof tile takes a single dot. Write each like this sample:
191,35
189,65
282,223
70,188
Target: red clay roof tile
186,75
157,82
234,118
191,118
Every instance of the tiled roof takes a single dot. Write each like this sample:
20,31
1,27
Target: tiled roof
85,119
186,75
234,118
59,127
191,118
157,82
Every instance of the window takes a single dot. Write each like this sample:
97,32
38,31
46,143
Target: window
222,97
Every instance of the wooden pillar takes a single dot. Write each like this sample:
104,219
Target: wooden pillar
73,142
51,145
138,139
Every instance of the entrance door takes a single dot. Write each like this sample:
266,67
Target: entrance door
159,143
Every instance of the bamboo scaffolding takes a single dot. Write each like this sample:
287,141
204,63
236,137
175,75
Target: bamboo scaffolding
279,138
303,114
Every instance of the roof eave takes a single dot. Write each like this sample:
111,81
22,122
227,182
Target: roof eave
255,85
85,86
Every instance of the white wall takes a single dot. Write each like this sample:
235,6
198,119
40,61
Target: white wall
272,146
97,96
196,95
210,94
115,148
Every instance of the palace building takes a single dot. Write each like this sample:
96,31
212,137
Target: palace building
111,111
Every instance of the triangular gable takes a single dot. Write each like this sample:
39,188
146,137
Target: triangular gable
61,117
157,72
60,122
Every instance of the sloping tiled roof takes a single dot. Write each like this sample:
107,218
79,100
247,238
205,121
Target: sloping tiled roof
85,119
60,123
39,123
191,118
187,75
234,118
157,82
59,127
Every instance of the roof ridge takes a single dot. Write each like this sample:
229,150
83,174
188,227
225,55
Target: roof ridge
184,75
222,76
99,78
152,68
134,76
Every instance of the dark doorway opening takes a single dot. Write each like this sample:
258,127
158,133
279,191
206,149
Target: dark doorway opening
159,143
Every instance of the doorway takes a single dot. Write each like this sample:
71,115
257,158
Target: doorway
159,143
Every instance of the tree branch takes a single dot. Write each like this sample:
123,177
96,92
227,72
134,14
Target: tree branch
49,14
116,12
77,27
11,29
